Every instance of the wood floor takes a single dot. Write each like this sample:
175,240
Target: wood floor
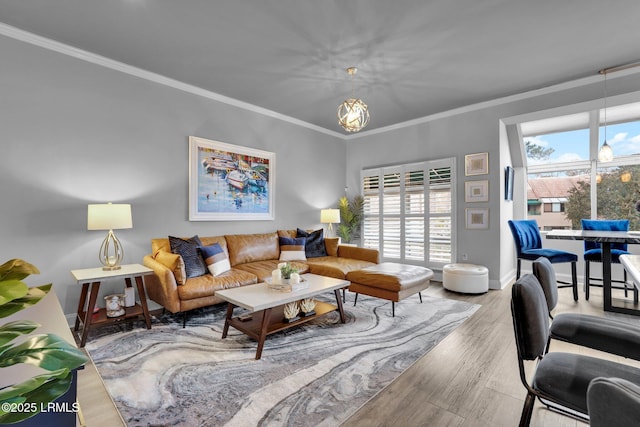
469,379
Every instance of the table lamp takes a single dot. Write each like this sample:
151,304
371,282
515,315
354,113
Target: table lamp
330,216
109,216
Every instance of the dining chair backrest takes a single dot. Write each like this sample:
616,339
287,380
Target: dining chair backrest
530,318
546,275
605,225
526,234
613,402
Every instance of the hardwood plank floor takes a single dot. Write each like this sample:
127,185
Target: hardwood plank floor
470,379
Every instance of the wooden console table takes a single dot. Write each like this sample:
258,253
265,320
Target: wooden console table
90,278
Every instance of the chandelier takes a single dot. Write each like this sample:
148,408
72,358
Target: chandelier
353,114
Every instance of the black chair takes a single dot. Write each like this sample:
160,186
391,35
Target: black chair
529,247
601,333
613,402
593,253
560,380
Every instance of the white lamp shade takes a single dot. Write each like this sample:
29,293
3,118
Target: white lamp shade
330,216
109,216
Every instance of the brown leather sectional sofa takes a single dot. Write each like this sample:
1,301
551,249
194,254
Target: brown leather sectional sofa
252,257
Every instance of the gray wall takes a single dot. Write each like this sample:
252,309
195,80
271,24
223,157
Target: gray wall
74,133
474,130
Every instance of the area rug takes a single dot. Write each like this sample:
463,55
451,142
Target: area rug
317,374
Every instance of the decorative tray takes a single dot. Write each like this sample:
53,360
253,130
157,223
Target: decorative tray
287,287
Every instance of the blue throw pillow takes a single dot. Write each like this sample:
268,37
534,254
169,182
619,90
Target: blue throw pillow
188,249
292,248
314,246
216,259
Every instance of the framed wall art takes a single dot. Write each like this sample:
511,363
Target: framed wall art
508,183
477,218
230,182
476,191
476,164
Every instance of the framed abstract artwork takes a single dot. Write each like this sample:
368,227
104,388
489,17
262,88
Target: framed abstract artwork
476,164
477,218
476,191
230,182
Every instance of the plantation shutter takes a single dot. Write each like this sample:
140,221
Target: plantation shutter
409,212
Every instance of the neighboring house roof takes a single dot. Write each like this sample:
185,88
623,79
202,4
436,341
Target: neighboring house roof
552,189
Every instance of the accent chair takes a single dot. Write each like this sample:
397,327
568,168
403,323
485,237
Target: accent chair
593,252
526,235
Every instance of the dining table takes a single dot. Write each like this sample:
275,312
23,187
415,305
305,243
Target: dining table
606,239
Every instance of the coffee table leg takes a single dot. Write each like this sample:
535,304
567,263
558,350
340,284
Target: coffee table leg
340,307
266,315
225,330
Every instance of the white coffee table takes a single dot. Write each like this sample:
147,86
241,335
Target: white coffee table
259,297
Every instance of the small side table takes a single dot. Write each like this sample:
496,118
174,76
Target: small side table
90,278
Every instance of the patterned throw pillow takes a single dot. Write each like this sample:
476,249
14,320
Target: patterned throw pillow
188,249
216,259
292,249
314,246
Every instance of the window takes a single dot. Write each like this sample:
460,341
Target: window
564,176
406,206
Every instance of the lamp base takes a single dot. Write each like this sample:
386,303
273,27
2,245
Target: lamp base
111,252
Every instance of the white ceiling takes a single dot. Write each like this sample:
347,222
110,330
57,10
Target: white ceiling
415,58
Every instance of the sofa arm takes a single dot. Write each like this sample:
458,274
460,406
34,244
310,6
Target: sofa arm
161,286
355,252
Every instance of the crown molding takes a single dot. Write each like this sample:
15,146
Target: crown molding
46,43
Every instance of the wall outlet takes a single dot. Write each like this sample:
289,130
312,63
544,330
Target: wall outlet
465,257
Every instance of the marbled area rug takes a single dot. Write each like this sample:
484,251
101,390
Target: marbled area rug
317,374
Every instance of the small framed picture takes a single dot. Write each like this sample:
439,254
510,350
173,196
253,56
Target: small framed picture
476,164
477,218
476,191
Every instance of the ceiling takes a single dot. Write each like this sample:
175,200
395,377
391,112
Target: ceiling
415,58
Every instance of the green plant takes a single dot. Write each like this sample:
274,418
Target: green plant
46,351
287,270
350,217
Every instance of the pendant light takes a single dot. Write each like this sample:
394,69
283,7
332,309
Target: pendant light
353,114
606,153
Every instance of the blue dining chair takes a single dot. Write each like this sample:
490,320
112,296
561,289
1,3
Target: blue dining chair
593,251
529,247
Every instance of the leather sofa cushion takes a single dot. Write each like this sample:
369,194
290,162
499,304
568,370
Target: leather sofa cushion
335,267
331,245
391,276
245,248
174,263
207,285
263,269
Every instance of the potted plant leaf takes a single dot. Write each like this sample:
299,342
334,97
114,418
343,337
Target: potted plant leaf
351,212
47,351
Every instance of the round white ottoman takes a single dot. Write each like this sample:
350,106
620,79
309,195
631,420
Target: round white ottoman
465,278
